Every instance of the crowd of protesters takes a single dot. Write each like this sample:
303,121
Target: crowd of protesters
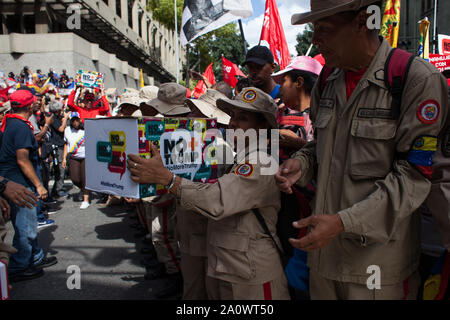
357,175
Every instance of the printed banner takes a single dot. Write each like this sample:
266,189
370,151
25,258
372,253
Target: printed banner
442,62
89,79
185,148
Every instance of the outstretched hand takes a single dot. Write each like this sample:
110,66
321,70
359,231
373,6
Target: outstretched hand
5,209
148,170
20,195
288,173
324,228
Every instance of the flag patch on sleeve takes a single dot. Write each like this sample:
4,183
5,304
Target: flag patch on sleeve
421,154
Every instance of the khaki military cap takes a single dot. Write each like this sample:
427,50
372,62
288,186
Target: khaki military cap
132,99
324,8
253,100
170,100
5,107
207,105
149,92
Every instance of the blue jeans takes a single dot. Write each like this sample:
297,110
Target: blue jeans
40,215
25,239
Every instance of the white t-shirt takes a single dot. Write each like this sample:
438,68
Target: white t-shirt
75,142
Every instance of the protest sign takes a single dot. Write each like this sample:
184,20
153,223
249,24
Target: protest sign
89,79
442,62
444,44
184,146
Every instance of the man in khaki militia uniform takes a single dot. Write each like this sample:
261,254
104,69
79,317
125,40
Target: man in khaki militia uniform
368,183
243,262
160,211
191,227
438,201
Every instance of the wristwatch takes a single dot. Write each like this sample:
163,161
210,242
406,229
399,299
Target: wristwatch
3,185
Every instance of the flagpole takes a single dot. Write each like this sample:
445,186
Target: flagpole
176,42
188,66
242,36
434,31
309,50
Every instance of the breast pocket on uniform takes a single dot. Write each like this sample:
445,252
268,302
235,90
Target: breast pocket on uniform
231,251
322,120
372,148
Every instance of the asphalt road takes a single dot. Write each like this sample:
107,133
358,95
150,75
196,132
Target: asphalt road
102,243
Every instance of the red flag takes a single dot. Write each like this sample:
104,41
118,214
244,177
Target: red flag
200,88
230,71
273,33
4,94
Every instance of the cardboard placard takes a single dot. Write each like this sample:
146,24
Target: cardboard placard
89,79
444,44
184,146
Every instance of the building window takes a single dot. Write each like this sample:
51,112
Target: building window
118,8
13,23
29,24
130,14
139,23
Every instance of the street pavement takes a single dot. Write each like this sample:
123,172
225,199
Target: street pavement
102,243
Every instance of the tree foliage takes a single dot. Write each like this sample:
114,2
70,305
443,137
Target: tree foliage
210,47
304,40
164,12
207,48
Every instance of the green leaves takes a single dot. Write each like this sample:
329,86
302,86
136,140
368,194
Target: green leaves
164,12
304,41
210,47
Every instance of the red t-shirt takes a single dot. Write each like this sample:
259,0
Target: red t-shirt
352,79
101,107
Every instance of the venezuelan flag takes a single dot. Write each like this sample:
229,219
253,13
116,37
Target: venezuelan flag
424,42
391,22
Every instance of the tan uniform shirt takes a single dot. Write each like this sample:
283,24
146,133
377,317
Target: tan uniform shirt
192,226
359,175
438,201
238,250
5,249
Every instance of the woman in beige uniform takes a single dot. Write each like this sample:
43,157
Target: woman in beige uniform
243,262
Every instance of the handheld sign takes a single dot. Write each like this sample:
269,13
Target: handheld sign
185,149
89,79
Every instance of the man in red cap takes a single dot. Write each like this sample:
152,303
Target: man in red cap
18,162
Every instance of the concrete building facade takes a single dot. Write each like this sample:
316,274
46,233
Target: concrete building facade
115,37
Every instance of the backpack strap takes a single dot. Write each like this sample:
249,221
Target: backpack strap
262,222
396,71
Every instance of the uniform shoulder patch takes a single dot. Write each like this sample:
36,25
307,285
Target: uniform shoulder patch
249,96
245,170
428,111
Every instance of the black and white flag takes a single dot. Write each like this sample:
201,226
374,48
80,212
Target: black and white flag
203,16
